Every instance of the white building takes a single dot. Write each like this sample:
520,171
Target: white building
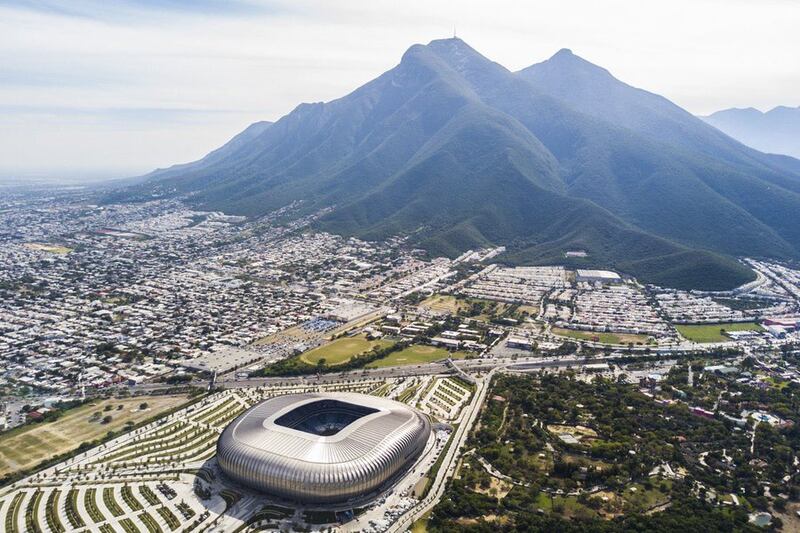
597,276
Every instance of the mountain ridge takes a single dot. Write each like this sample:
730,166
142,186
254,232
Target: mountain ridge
776,130
458,151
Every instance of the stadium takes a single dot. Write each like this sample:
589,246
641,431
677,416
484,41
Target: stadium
322,448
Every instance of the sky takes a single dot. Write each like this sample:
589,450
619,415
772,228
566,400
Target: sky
104,89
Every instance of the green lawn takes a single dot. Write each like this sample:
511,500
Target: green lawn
605,338
544,501
569,507
642,499
342,350
712,333
421,525
416,354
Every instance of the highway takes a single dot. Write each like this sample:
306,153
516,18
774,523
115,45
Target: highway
436,368
474,365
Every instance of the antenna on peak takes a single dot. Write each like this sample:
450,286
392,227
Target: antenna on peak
454,32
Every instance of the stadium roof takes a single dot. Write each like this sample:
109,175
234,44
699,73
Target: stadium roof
320,447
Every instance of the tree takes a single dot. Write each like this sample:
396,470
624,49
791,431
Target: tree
779,504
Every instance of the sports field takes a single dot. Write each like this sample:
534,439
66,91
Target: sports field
342,350
415,355
27,446
605,338
52,248
712,332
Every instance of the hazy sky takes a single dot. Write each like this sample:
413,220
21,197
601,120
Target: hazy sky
111,88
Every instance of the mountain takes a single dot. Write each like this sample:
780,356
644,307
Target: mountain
777,131
684,179
220,155
456,151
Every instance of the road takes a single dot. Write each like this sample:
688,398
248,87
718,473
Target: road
436,368
448,466
521,363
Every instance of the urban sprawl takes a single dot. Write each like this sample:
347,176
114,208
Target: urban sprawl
150,326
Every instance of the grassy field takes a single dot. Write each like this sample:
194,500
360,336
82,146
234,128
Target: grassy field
605,338
712,333
416,354
52,248
27,446
642,499
445,303
342,350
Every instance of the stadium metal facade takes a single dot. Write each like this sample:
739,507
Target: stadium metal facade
322,447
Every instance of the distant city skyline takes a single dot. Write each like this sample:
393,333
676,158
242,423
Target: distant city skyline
100,89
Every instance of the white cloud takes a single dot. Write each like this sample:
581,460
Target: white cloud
67,79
